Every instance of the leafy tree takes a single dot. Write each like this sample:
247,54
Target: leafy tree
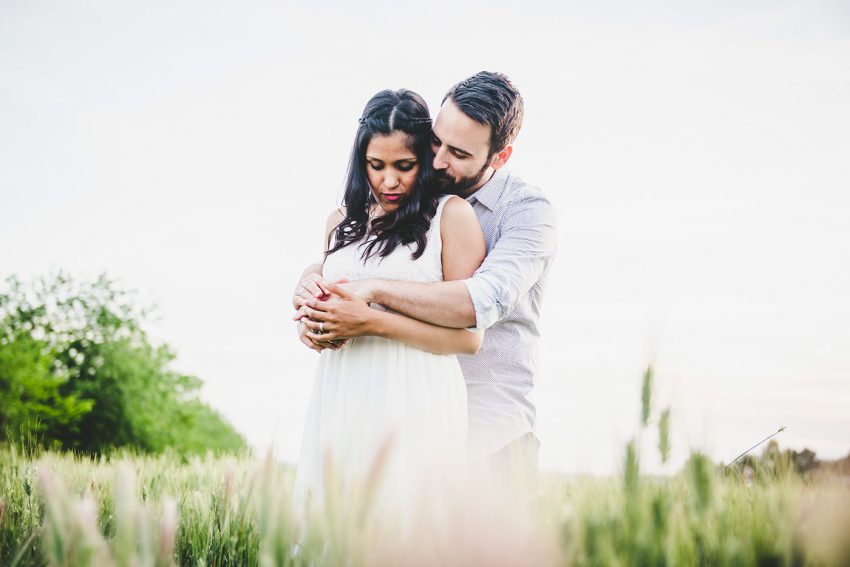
76,359
30,397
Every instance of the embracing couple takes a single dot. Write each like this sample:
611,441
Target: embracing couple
426,305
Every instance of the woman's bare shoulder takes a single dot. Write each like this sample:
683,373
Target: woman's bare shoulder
457,211
337,215
455,203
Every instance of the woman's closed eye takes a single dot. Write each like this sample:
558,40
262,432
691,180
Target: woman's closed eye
405,165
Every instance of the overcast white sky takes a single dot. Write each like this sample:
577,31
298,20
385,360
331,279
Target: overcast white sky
697,154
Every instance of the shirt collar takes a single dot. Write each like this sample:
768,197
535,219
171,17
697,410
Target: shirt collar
489,193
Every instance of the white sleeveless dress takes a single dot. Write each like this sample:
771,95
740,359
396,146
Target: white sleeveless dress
387,422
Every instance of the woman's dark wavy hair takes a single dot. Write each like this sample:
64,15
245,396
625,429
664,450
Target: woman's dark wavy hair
387,112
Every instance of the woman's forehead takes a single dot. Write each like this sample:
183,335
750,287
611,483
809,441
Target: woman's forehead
393,146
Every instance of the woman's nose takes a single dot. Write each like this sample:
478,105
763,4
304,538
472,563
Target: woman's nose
391,181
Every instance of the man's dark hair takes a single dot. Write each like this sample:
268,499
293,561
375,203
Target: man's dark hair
490,98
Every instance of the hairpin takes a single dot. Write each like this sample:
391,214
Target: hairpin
363,119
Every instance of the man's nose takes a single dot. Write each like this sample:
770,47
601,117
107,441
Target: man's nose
440,161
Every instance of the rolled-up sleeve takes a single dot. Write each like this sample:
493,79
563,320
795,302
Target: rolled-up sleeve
525,247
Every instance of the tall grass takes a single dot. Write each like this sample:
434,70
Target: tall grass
62,509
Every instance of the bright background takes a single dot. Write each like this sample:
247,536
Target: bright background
697,154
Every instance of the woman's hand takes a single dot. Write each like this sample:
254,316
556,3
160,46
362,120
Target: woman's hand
311,285
317,345
341,316
309,343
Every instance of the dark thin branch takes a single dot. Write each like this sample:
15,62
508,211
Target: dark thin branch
781,429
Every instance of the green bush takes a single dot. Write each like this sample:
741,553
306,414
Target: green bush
78,371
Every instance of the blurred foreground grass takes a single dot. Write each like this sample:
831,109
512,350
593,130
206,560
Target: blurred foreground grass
61,509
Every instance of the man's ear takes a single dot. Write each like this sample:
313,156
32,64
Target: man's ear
500,158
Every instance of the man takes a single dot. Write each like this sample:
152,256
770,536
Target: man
473,139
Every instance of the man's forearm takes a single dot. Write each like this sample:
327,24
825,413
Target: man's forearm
442,303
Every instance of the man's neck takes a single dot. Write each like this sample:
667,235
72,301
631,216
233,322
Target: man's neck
484,180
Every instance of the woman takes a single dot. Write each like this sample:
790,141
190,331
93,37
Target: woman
387,418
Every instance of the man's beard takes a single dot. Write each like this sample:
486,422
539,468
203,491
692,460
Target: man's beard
461,186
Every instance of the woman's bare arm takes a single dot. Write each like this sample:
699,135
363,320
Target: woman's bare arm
303,293
311,281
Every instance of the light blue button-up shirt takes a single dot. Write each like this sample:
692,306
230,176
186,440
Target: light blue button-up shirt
520,229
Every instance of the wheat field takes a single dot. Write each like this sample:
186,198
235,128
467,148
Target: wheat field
63,509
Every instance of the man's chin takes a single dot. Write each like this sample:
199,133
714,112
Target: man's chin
462,186
448,187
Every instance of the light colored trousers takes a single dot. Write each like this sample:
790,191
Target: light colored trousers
516,462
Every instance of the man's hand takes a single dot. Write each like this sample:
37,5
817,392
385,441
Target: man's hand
364,289
341,316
